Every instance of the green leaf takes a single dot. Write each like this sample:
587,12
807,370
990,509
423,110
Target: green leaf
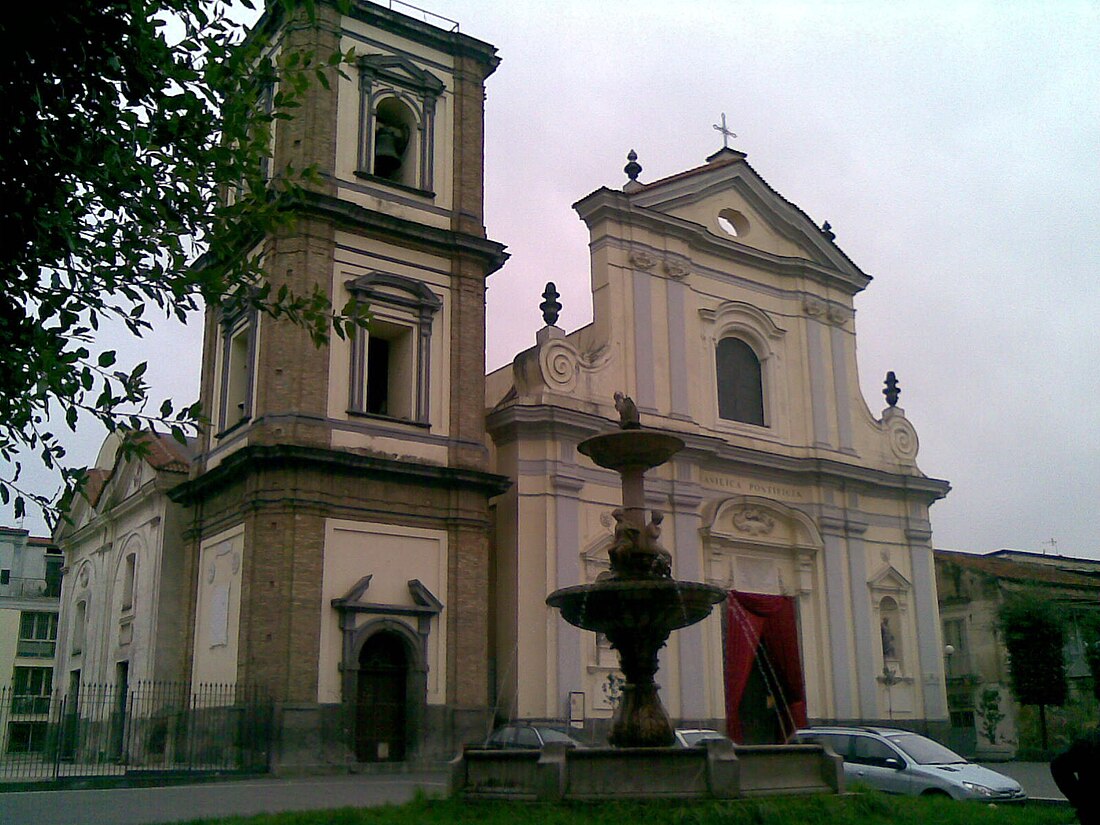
121,144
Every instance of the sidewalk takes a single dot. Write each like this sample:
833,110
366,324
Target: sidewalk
144,806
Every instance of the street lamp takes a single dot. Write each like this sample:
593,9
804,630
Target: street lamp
889,678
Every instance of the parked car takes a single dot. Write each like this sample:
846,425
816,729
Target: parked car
528,735
690,737
899,761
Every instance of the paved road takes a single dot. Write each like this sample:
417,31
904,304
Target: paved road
140,806
1034,777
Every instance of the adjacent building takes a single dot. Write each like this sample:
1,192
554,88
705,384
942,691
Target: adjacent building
125,592
985,717
30,587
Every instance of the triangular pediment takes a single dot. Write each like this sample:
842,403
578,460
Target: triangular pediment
888,579
400,71
732,203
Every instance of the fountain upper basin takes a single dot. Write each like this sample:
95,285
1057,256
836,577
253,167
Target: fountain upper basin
631,449
643,604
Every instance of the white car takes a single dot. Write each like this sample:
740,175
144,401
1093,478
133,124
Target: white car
902,762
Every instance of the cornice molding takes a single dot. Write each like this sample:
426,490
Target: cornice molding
451,42
280,456
411,233
504,424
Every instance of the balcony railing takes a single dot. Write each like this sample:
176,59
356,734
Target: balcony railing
958,665
19,587
35,649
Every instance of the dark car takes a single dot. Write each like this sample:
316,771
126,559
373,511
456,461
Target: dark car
529,735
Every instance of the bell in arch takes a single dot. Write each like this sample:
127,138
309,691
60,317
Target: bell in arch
390,142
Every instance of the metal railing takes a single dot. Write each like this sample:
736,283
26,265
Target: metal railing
18,587
101,730
958,665
429,17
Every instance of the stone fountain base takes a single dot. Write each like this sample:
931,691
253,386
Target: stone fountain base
720,770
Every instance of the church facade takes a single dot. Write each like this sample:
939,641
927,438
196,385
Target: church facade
728,317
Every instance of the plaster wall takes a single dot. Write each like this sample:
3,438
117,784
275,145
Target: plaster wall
9,636
391,555
218,609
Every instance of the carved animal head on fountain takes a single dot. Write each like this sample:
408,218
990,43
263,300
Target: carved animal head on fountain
637,553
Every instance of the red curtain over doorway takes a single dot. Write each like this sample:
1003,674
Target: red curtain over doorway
755,619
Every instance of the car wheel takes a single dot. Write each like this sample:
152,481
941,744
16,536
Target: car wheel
935,792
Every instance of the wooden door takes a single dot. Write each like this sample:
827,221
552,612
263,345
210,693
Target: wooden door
380,729
758,711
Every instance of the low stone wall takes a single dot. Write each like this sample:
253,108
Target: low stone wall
717,771
789,769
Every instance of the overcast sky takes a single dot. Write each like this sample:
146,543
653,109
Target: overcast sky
954,148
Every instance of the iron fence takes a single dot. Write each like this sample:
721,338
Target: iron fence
149,727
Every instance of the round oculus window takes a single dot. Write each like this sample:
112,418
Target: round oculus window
733,223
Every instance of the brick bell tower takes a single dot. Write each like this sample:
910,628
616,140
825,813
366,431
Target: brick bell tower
340,535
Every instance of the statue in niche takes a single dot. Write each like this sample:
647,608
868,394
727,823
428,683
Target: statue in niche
889,648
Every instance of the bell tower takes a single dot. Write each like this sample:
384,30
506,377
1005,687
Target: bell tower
340,502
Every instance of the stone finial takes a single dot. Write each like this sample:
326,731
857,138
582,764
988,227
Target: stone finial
632,168
827,231
892,390
550,305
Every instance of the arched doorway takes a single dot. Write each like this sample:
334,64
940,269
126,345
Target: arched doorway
381,699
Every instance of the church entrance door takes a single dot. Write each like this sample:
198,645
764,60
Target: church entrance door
765,694
380,717
760,724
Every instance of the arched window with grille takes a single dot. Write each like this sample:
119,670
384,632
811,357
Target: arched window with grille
740,384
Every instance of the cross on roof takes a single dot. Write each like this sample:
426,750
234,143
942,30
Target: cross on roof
727,133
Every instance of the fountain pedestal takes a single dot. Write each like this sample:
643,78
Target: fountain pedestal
639,604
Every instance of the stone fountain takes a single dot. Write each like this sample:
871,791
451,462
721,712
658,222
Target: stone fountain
638,604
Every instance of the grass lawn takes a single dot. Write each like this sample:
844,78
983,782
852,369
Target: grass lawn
864,809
